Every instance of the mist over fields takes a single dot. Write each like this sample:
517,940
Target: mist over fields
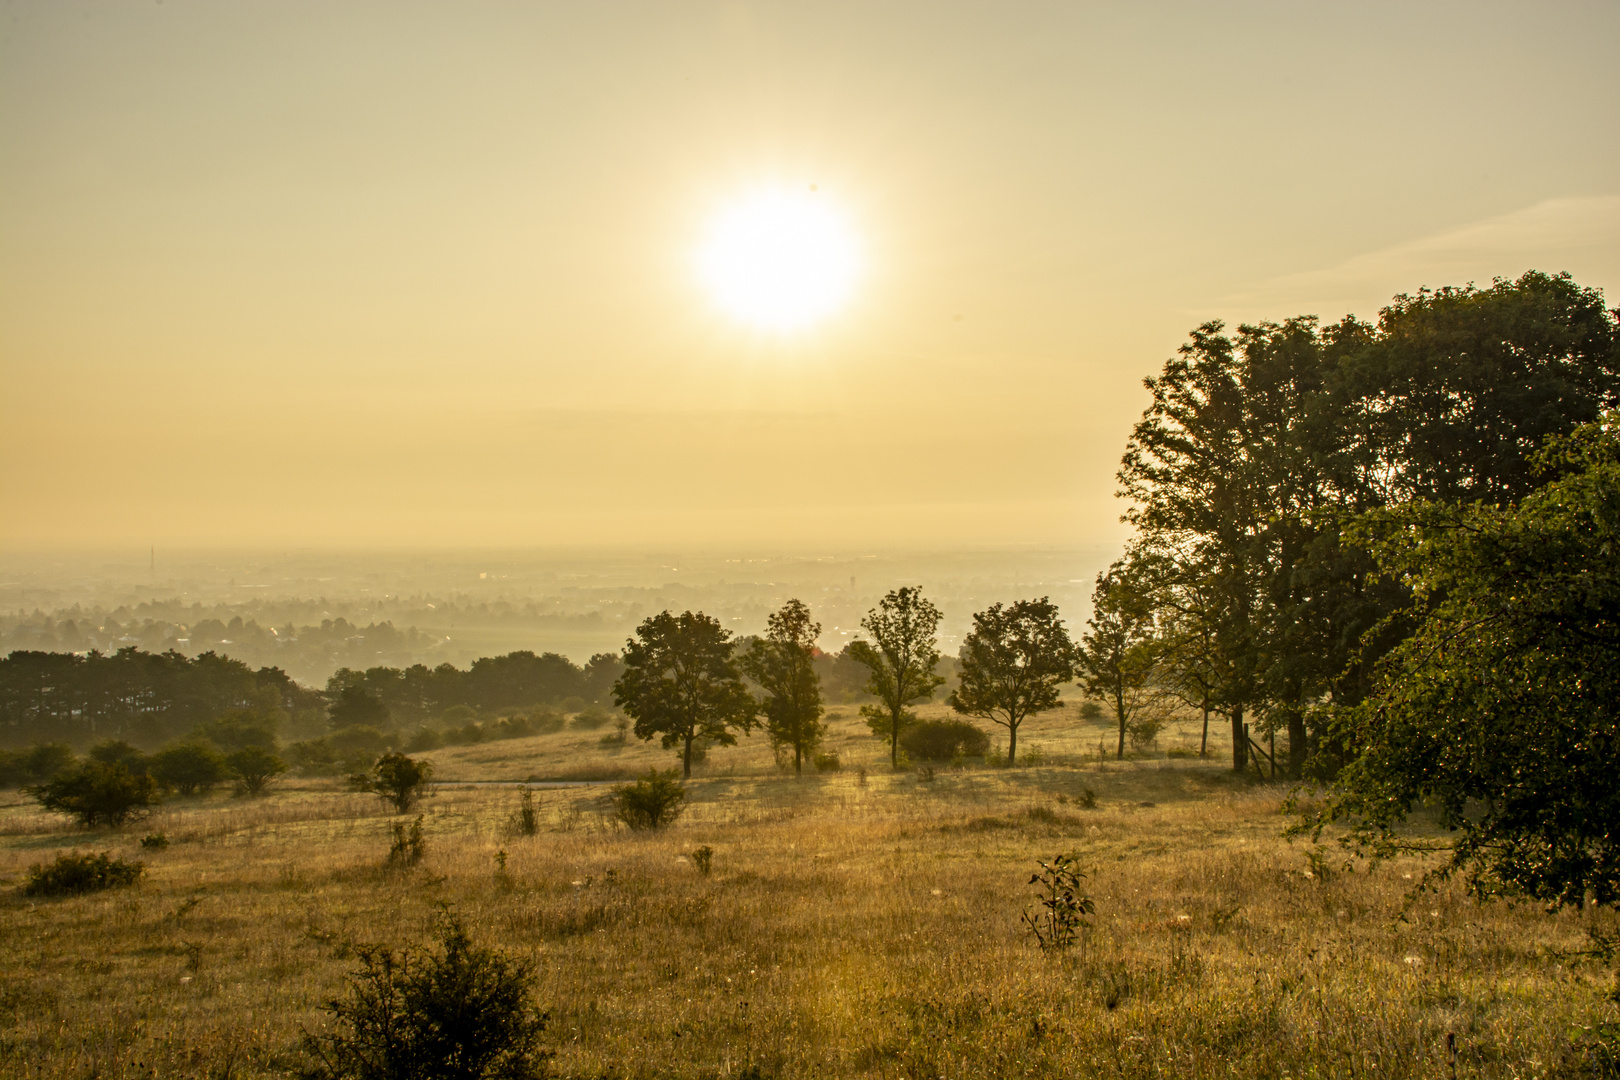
312,613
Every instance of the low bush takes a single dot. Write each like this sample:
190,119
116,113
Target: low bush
80,873
941,740
410,844
1144,731
651,802
188,767
424,738
254,768
1091,710
155,841
98,794
398,780
464,1012
828,762
525,820
703,859
592,717
547,721
119,752
1063,906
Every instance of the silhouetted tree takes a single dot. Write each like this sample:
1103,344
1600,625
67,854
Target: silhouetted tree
1118,651
1014,662
97,793
783,664
680,682
188,767
900,660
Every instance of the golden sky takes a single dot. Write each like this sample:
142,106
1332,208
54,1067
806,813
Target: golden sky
406,274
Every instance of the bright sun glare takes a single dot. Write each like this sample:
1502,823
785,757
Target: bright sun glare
780,260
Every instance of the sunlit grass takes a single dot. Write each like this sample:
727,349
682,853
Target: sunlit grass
851,927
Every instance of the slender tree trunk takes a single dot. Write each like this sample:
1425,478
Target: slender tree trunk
1119,714
797,770
1203,742
894,742
1240,741
1296,744
686,759
1012,744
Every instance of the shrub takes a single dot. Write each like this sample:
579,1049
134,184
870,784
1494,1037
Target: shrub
1064,906
703,859
547,721
463,1012
240,729
620,733
119,752
254,767
457,715
188,767
155,841
1035,755
941,740
37,764
76,873
98,794
828,762
424,738
651,802
1090,710
410,844
359,743
1144,731
397,779
525,820
1087,799
593,717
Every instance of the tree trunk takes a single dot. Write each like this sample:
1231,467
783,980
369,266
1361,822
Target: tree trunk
894,743
1240,741
686,760
1119,713
1296,744
1203,742
1012,745
797,770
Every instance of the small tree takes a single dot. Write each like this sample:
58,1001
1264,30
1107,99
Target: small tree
1118,652
119,752
680,682
1064,907
1013,662
98,794
188,767
900,661
254,768
399,780
783,664
651,802
464,1012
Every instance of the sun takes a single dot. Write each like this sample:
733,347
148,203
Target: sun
780,260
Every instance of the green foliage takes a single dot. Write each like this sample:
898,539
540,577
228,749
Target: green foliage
1014,661
783,664
118,752
354,706
651,802
254,768
155,841
461,1013
1119,654
1502,709
680,682
242,728
96,793
75,873
1090,710
829,761
188,767
1063,907
592,718
1144,730
35,764
399,780
942,740
900,661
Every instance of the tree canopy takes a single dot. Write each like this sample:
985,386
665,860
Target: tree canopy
680,682
1014,662
900,661
783,664
1502,708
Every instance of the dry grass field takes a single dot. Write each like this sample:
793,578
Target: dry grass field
852,925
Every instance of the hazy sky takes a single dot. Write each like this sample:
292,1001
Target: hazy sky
406,274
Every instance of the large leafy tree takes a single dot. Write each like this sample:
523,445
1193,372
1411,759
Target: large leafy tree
681,682
783,664
900,661
1119,653
1502,709
1014,662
